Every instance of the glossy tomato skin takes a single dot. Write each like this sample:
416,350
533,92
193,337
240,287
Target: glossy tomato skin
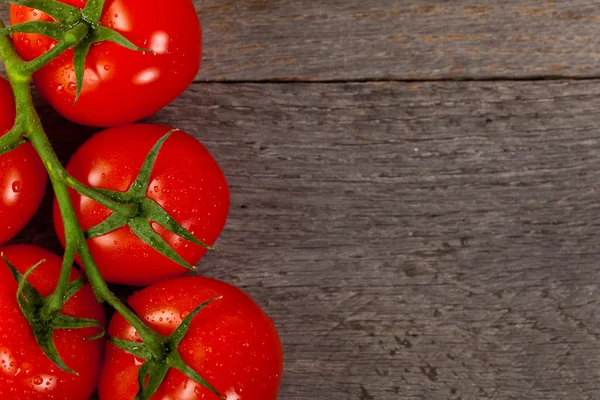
22,175
25,371
186,181
120,85
232,343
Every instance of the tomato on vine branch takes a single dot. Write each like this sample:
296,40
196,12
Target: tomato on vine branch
105,80
26,371
28,127
178,195
215,328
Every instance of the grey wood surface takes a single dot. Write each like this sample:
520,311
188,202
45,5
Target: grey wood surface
398,39
412,240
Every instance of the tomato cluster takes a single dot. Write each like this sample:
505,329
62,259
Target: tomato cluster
231,342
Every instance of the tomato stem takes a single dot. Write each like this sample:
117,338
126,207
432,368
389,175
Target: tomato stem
58,298
28,124
70,39
129,209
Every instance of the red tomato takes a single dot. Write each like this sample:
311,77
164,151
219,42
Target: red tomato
22,175
120,85
25,371
232,343
186,181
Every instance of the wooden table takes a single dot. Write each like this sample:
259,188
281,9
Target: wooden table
416,190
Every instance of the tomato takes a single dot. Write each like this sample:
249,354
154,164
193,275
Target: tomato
186,181
120,85
232,343
25,371
22,175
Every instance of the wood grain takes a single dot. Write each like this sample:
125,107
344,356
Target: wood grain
417,241
338,40
255,40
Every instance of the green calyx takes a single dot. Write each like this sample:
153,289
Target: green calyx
43,324
138,212
73,28
155,368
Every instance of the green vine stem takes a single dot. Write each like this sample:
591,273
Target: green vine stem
28,126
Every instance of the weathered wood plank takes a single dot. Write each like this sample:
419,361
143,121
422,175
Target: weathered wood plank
394,39
252,40
412,241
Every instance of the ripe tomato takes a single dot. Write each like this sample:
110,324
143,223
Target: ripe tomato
25,371
186,181
22,175
232,343
120,85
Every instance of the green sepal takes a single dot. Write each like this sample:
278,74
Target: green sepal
50,29
27,296
61,321
152,210
92,11
30,302
139,187
175,361
174,340
45,339
138,349
112,223
154,369
142,228
59,11
80,52
103,34
177,336
74,287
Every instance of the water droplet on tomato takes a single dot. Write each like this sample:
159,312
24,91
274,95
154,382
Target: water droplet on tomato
38,380
107,67
72,85
116,15
27,42
16,186
138,361
156,189
198,390
35,14
39,42
184,314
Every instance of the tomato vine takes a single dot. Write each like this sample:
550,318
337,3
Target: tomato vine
28,127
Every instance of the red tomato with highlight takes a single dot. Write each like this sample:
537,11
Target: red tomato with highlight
186,181
22,175
120,85
231,343
25,371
